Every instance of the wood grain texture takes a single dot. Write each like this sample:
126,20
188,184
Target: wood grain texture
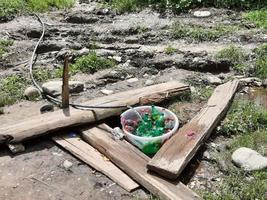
93,158
50,122
176,153
133,162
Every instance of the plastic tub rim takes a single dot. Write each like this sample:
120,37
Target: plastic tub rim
176,125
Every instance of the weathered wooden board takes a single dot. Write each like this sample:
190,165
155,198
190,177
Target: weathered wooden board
176,153
133,162
49,122
92,157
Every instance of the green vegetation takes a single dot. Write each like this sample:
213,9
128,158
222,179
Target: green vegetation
240,185
261,61
9,8
234,54
199,33
11,89
89,64
169,50
4,44
243,118
124,5
258,17
42,74
246,123
184,5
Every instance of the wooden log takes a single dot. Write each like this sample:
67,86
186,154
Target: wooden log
176,153
50,122
134,162
93,158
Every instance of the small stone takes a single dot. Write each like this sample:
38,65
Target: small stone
145,75
31,93
264,83
107,92
257,83
206,155
214,80
202,13
83,51
132,80
54,87
117,58
249,159
193,89
149,82
16,148
67,164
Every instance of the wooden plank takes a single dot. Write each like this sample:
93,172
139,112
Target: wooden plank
50,122
134,162
92,157
176,153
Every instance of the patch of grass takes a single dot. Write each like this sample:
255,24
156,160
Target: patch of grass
235,55
4,44
44,5
244,117
11,89
258,17
88,64
123,6
169,50
261,61
240,185
43,74
10,8
184,5
199,33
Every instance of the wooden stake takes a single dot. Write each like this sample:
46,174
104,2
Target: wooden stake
65,86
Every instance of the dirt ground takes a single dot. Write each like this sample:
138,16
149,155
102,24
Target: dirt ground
139,40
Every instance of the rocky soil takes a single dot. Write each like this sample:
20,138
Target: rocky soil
138,43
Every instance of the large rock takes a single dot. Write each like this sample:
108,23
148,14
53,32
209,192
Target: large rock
249,159
54,88
31,93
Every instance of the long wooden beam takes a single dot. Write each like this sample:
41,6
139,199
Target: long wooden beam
92,157
50,122
133,162
176,153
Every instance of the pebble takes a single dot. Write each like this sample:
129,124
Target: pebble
16,148
206,155
214,80
132,80
202,13
67,164
31,93
149,82
249,159
107,92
